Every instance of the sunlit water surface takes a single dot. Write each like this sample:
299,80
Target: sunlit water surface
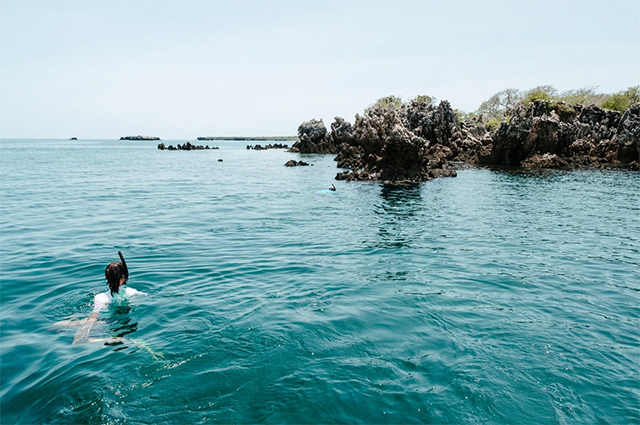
493,297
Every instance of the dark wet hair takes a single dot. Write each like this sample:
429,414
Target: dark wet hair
114,272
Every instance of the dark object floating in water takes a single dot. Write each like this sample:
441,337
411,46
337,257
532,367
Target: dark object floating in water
73,138
294,163
185,147
269,146
139,138
220,160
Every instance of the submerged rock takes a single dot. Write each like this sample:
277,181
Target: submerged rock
548,160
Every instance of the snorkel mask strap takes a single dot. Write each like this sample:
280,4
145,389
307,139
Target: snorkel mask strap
124,264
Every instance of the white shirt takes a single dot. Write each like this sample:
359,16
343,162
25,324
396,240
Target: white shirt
103,299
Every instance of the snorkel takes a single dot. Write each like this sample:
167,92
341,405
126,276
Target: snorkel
115,273
124,265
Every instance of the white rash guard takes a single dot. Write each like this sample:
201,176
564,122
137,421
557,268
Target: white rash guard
103,299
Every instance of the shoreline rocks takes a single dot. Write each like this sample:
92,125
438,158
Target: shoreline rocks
410,144
419,141
294,163
184,147
313,138
552,134
269,146
249,138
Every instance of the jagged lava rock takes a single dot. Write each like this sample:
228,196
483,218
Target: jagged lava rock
577,135
294,163
398,145
628,136
314,138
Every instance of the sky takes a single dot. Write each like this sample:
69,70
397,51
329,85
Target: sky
183,69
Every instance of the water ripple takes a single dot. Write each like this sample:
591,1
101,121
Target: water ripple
494,297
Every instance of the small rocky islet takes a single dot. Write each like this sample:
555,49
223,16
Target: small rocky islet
420,141
259,147
185,147
139,138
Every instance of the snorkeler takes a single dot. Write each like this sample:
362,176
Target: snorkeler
117,275
332,187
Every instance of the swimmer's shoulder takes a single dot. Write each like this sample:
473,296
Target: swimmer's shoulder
131,292
102,298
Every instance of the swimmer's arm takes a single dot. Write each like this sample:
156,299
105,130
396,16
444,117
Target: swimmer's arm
82,335
112,341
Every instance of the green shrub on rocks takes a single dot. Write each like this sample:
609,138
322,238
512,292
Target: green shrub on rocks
423,98
540,93
502,104
623,100
493,124
386,102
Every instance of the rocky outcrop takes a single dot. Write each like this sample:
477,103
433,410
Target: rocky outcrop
185,147
246,138
628,136
139,138
420,141
474,142
269,146
550,134
411,144
294,163
314,138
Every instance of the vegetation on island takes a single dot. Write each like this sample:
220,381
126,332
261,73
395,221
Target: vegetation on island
501,105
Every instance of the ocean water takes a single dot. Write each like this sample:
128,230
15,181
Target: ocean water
495,297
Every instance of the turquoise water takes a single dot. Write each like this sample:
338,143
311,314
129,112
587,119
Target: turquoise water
493,297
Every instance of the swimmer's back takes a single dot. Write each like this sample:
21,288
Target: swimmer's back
103,299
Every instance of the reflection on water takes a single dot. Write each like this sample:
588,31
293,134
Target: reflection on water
119,322
401,195
397,210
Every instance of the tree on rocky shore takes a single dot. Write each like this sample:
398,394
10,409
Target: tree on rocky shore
502,104
397,102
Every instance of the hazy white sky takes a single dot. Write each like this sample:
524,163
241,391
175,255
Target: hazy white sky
183,69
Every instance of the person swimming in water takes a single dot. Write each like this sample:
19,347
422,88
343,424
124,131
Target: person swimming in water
332,187
117,275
